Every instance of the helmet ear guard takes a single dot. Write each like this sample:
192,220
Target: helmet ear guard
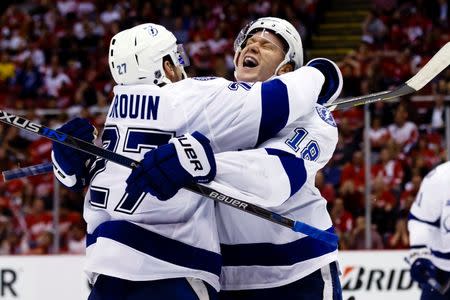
136,55
283,29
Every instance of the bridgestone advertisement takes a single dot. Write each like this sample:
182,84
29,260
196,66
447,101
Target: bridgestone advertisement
376,275
366,275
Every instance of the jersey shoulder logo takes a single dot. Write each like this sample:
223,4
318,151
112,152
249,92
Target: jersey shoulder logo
326,115
206,78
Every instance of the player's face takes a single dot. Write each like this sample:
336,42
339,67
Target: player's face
260,57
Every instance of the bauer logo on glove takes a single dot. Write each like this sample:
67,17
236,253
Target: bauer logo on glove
192,154
195,156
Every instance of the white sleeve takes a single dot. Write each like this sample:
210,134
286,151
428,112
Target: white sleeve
256,176
268,176
241,115
425,212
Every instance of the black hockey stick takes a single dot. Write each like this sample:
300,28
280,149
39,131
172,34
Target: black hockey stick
436,65
202,190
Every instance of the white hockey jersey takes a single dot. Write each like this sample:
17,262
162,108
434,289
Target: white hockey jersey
147,239
257,253
429,218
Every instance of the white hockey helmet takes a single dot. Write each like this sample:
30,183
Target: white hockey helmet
136,55
283,29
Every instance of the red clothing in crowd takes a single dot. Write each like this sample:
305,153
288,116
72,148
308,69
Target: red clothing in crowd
391,172
354,174
38,223
343,222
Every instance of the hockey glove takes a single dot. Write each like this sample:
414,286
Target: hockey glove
70,165
165,170
333,79
422,269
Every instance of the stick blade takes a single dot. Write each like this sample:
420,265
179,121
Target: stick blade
436,65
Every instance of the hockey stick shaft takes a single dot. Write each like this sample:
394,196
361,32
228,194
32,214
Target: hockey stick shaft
27,171
202,190
436,65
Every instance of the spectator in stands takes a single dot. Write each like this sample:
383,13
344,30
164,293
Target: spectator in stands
436,115
29,80
428,152
43,244
352,183
358,236
351,74
389,170
409,194
374,29
4,232
7,68
76,238
443,12
346,146
383,204
55,80
403,132
342,219
15,145
326,189
400,238
379,135
38,221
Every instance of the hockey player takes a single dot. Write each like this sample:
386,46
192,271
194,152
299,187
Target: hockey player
137,245
264,260
429,235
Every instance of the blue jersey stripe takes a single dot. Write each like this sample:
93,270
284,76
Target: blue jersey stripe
267,254
443,255
275,109
158,246
293,166
436,223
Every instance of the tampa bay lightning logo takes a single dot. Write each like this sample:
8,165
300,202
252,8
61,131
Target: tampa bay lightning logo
152,30
326,115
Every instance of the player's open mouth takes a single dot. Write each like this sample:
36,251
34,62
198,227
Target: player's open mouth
250,62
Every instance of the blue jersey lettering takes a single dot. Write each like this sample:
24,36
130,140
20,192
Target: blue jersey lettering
134,106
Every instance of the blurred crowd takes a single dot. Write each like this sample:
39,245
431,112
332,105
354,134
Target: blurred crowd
53,56
407,138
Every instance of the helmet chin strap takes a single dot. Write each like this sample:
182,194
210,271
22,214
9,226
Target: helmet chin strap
285,61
